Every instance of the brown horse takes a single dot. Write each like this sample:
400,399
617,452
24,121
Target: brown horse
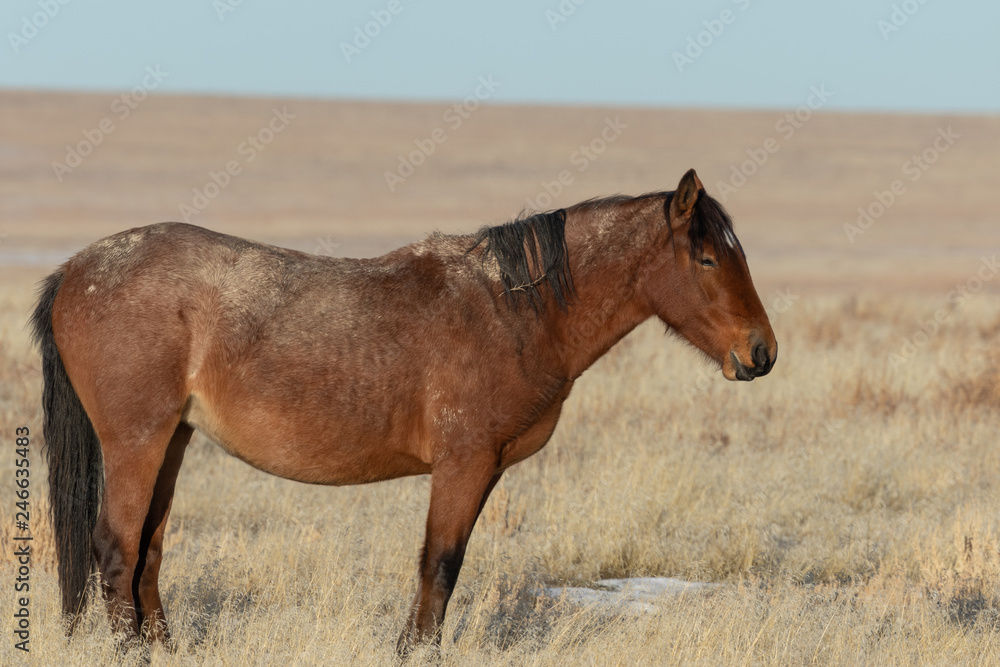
452,356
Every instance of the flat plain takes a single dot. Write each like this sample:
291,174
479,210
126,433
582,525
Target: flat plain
846,503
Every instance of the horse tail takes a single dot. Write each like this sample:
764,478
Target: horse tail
76,469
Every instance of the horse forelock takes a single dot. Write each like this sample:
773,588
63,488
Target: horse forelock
711,224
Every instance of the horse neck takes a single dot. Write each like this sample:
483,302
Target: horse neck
606,251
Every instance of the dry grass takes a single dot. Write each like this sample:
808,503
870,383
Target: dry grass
848,507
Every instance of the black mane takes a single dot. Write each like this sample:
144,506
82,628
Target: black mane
527,243
710,223
540,241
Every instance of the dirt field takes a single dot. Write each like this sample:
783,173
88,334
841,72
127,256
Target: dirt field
847,502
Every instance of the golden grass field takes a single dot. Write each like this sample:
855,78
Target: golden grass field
847,503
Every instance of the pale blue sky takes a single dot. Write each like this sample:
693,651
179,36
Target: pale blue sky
765,53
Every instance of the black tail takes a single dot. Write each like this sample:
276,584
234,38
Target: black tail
76,469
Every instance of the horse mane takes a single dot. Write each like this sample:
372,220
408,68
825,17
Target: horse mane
539,240
710,222
535,241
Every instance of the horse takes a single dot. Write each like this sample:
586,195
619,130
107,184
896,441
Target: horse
451,356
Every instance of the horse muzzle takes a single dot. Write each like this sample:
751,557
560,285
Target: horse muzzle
763,362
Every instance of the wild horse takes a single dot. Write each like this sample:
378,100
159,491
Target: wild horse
451,356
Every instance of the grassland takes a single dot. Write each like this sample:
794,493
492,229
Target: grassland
847,503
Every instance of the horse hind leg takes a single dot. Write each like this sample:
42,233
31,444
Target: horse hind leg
145,587
131,470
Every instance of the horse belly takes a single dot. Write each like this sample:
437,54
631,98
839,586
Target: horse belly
294,445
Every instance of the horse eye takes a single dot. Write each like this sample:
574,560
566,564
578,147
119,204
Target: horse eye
708,262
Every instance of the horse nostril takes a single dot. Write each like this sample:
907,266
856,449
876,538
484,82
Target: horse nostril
761,358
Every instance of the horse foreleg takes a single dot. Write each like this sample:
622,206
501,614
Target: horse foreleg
154,622
460,487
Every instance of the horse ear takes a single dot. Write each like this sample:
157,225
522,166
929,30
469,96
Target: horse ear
682,203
